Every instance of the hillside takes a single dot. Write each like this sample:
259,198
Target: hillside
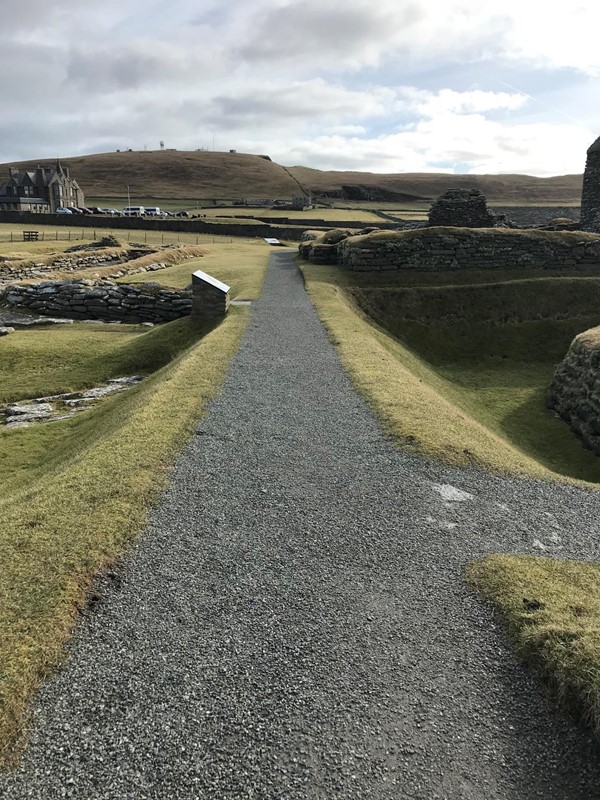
201,175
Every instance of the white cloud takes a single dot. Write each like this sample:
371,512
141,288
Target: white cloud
319,80
469,142
431,104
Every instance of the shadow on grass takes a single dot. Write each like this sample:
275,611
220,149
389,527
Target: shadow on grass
535,430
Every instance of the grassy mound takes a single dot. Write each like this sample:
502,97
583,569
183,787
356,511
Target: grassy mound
240,264
552,611
461,371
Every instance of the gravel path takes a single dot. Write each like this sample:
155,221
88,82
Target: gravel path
293,624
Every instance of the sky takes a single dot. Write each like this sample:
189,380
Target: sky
385,86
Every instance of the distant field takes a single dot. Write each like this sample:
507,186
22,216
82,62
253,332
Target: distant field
59,237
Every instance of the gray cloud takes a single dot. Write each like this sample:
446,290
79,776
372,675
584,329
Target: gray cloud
349,32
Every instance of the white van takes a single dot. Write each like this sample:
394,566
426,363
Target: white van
152,211
134,211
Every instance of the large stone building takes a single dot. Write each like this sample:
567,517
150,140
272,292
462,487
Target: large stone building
590,196
40,191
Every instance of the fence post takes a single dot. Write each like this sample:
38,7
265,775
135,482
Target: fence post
11,236
69,235
57,235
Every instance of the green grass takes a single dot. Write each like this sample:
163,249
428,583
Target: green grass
460,371
552,612
241,264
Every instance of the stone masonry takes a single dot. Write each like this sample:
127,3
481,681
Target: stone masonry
210,297
574,393
590,196
462,208
459,248
102,300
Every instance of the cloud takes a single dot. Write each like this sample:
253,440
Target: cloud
464,143
305,79
450,101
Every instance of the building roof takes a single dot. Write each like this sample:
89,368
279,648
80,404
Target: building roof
12,198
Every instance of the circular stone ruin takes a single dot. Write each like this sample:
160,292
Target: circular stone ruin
574,393
461,208
590,196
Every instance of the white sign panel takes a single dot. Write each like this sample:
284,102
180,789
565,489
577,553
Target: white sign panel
203,276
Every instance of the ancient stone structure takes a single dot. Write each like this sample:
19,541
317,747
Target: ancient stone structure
590,196
574,393
101,300
462,208
459,248
210,297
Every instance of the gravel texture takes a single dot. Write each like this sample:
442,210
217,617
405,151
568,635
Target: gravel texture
294,623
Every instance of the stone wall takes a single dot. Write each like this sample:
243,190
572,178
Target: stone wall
465,208
460,248
590,195
210,297
574,393
170,226
536,216
101,300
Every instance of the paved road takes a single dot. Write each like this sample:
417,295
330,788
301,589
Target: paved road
293,623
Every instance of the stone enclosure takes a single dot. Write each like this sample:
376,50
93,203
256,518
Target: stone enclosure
457,248
590,197
102,300
465,208
574,393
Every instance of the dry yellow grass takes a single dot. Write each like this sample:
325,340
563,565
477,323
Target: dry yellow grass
552,611
240,264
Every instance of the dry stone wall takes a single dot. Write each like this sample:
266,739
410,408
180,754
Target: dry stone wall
460,248
574,393
590,196
465,208
101,300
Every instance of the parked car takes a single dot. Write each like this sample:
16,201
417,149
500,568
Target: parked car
83,210
152,211
96,210
63,211
75,210
134,211
182,214
114,212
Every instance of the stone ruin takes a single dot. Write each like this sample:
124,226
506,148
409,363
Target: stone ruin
462,208
590,196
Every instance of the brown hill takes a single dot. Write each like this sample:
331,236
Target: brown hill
200,174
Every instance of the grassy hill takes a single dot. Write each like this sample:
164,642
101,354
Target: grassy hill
197,175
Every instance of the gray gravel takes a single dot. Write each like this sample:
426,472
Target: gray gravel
293,623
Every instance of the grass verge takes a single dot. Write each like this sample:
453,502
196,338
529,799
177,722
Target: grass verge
240,264
552,612
88,502
460,373
469,388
